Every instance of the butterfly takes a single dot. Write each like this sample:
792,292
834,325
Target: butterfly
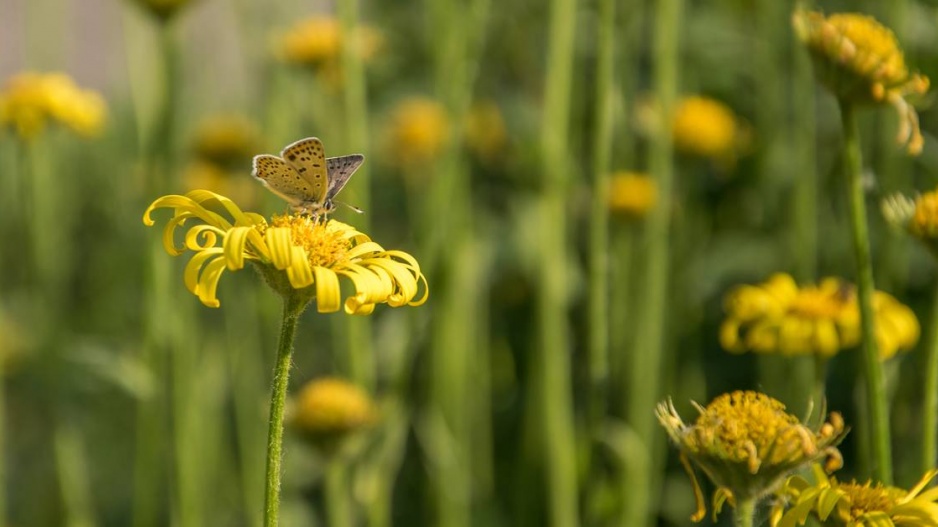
304,177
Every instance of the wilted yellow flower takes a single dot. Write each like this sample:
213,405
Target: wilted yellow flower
747,444
860,61
779,317
163,9
855,505
31,99
316,42
486,134
295,254
330,408
632,194
417,132
708,128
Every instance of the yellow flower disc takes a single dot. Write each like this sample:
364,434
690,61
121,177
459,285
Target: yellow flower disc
707,128
332,407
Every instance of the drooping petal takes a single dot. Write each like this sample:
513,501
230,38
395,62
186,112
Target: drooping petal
328,292
208,281
194,268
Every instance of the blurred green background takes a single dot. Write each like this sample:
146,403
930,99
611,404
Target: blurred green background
510,398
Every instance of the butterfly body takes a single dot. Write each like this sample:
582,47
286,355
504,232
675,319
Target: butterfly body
304,177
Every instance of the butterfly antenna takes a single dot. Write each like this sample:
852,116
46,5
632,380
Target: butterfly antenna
353,207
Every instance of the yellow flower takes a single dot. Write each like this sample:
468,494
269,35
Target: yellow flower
708,128
486,135
854,505
316,42
779,317
31,99
632,194
163,9
226,140
860,61
747,444
919,216
295,254
417,132
331,407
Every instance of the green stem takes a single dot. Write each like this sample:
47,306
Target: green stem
599,215
292,307
745,510
72,470
338,505
360,355
647,360
876,400
930,404
553,385
819,389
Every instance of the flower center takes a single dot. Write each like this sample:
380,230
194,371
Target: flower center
324,245
865,499
745,424
815,303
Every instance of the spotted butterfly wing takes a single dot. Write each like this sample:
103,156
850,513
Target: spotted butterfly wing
340,170
308,158
282,179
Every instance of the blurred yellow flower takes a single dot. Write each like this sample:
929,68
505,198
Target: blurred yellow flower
223,146
295,254
163,9
860,61
417,132
31,99
227,140
632,194
919,216
316,42
746,443
331,408
708,128
486,135
854,505
779,317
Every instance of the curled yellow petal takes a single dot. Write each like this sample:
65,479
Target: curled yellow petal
328,294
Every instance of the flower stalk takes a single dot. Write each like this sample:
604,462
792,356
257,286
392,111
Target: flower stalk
745,510
872,368
930,403
292,307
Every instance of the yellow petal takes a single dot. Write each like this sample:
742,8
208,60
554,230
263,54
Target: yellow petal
194,268
328,293
208,282
207,233
280,242
234,246
299,272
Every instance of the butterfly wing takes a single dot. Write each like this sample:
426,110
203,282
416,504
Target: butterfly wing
308,159
340,170
281,179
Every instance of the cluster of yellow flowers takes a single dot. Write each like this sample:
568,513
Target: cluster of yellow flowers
860,61
779,317
749,447
29,100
